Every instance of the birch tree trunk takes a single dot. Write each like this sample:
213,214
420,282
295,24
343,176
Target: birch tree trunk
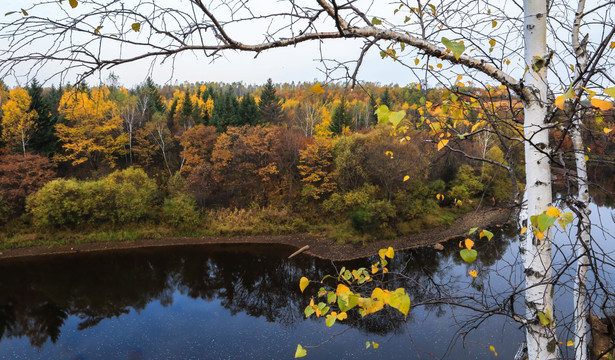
583,234
541,339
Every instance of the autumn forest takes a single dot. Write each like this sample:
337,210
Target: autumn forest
109,163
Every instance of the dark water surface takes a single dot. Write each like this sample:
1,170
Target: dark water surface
243,301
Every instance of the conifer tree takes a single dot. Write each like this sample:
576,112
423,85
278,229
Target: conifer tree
44,140
340,119
249,113
269,105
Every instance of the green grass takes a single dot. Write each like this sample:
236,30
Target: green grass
223,222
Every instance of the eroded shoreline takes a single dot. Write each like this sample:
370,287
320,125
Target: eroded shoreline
318,246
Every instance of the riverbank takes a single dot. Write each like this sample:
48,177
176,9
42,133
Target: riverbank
321,247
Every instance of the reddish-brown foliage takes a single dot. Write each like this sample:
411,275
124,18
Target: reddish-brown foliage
22,175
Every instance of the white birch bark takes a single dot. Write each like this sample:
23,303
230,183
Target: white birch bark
583,235
541,339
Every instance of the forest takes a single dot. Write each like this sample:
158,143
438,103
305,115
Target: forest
107,163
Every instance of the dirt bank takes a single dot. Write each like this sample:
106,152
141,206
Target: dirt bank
318,246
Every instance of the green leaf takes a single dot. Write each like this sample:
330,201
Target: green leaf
301,352
455,47
73,3
472,230
368,344
544,318
376,21
383,113
136,27
544,221
565,219
330,320
331,297
309,310
400,301
610,92
486,233
395,117
347,302
303,283
468,255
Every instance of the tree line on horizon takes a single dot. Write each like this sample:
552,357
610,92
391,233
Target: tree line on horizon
317,152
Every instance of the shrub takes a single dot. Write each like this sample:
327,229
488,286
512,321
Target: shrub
21,176
180,212
419,199
465,185
125,196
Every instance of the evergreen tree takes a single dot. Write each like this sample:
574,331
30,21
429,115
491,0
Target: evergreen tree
171,114
44,140
340,119
371,111
269,105
150,100
186,112
225,111
249,113
385,99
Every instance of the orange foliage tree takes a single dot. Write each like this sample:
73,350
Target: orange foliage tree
92,130
18,121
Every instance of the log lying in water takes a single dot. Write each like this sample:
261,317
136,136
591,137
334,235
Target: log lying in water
299,251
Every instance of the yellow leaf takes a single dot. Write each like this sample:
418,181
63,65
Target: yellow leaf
317,89
601,104
301,352
553,212
610,91
494,23
97,30
586,158
25,13
342,289
442,144
570,343
416,62
390,253
606,131
523,230
136,27
303,283
73,3
406,178
375,345
612,45
492,42
539,235
473,273
559,102
439,66
342,316
468,243
375,268
590,93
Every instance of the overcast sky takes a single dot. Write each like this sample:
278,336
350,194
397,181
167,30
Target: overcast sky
300,63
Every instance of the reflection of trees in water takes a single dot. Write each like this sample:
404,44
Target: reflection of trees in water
256,280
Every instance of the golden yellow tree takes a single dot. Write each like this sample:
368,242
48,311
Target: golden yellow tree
92,130
18,122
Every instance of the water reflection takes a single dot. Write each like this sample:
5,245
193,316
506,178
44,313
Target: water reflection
38,295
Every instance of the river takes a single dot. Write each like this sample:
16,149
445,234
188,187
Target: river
243,301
